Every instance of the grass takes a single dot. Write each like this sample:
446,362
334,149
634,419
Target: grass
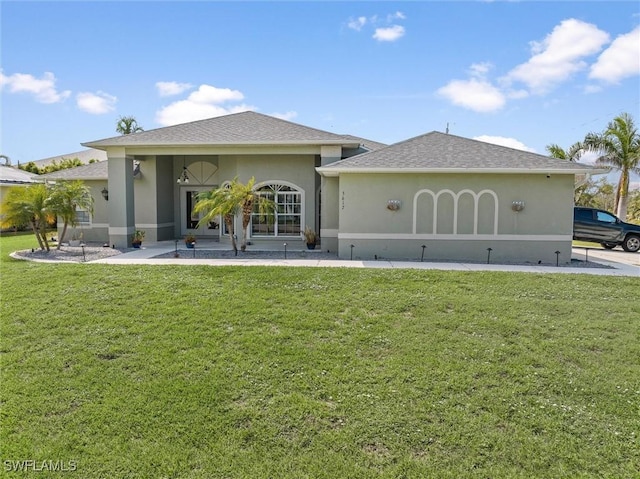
236,372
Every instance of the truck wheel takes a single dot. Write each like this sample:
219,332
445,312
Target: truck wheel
631,243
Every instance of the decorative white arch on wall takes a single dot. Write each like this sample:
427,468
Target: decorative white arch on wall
456,199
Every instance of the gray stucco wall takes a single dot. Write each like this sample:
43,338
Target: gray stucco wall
470,213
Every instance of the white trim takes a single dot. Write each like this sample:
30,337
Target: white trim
156,225
337,171
121,230
453,237
328,233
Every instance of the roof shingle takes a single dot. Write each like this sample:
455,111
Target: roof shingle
441,152
246,128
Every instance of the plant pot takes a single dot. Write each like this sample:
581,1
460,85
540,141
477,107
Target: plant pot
190,245
136,245
311,246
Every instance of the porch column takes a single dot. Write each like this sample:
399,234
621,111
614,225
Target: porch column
121,203
329,191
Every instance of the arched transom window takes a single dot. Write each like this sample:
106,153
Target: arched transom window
287,219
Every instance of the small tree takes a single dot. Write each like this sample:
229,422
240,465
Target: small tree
29,205
65,198
229,200
127,125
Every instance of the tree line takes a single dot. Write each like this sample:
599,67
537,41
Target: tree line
617,146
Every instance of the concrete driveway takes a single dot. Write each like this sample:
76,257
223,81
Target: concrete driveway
614,255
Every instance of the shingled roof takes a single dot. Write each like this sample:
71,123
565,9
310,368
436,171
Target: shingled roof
246,128
93,171
15,176
439,152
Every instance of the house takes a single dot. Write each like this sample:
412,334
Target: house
11,177
462,199
457,197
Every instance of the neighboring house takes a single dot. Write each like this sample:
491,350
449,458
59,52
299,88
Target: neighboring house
455,196
11,177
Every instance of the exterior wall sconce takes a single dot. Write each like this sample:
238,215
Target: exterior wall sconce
105,194
517,205
394,205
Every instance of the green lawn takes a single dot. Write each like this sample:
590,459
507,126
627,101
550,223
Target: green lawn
257,372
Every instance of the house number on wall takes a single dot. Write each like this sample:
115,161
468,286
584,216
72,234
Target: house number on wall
343,200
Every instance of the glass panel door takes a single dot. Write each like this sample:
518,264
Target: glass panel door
189,219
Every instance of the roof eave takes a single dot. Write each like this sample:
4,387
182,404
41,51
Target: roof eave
103,145
329,171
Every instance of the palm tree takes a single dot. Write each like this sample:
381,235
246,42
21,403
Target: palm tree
227,201
65,198
573,154
28,205
618,146
127,125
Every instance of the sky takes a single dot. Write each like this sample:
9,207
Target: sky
524,74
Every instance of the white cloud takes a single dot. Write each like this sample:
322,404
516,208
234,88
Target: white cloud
96,103
389,34
480,70
43,89
396,16
385,28
170,88
474,94
357,24
289,115
559,55
206,102
211,94
503,141
620,60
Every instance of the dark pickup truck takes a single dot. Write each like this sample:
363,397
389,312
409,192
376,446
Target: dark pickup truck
599,226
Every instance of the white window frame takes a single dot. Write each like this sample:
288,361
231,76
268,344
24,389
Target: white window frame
275,185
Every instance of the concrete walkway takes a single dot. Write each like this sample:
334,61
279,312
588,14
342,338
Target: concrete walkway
146,254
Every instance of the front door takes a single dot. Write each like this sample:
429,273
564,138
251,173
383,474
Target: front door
189,219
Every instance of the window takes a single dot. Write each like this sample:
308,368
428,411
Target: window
287,219
83,217
605,217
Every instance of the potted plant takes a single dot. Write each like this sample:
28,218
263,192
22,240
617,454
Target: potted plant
190,240
310,237
76,239
136,239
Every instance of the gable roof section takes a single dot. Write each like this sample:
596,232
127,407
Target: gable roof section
437,152
93,171
246,128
